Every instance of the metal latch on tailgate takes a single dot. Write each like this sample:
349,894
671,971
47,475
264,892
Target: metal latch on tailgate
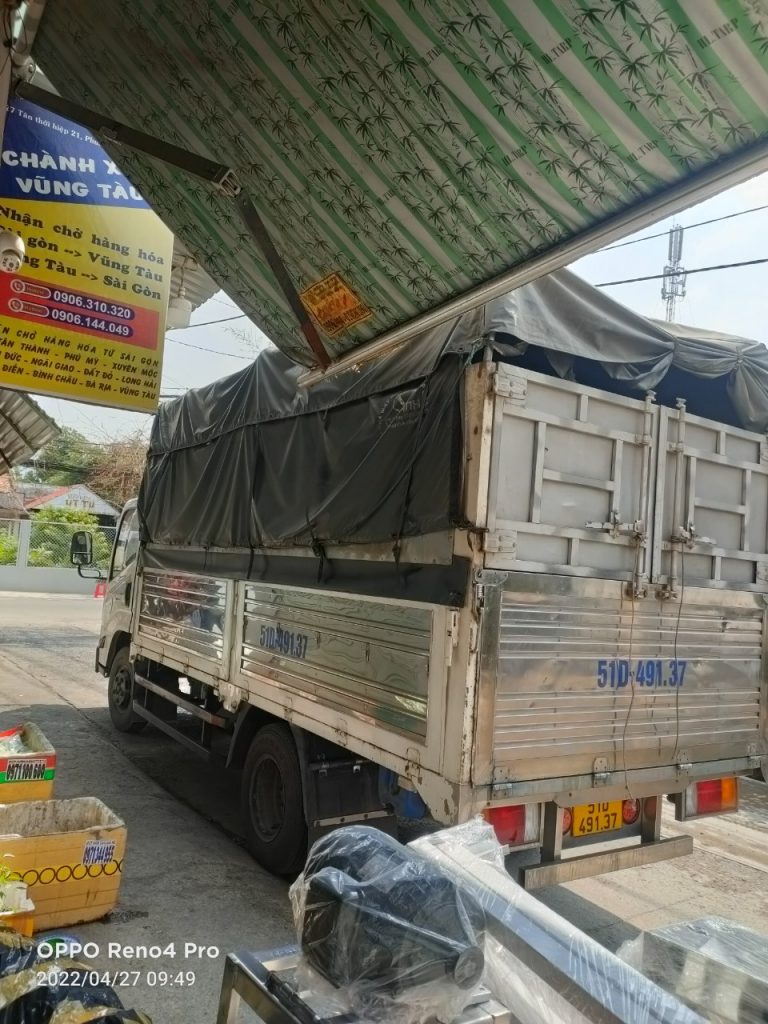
616,527
453,637
600,773
487,578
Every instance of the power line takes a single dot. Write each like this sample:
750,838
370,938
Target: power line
689,227
210,323
221,302
202,348
696,270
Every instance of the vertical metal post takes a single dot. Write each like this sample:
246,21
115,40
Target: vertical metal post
645,488
678,485
229,1000
552,837
650,826
22,552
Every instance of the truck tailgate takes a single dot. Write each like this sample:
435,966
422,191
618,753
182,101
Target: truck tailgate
583,672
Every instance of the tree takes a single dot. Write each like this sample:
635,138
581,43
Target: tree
118,468
111,468
51,534
66,460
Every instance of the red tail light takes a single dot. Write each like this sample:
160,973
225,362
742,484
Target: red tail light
630,811
514,826
714,796
567,820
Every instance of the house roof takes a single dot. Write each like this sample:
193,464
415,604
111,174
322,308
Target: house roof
46,498
75,496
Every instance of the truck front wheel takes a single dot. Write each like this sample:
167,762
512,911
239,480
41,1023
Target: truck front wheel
272,801
120,694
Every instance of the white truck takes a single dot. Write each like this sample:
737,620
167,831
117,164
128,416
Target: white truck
603,649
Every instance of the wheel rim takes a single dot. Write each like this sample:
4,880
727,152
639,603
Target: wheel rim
267,799
122,689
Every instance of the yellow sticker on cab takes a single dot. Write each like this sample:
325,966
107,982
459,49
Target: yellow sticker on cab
334,305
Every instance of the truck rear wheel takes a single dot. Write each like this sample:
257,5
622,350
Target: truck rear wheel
272,801
120,694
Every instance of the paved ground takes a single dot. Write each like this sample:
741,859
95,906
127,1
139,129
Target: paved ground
187,877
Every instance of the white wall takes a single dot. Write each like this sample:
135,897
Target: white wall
39,579
35,580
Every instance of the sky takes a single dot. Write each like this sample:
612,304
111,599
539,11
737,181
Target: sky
732,301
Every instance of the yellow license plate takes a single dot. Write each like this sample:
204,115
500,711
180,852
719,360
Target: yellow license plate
592,818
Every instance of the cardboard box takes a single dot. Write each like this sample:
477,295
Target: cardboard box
70,854
28,775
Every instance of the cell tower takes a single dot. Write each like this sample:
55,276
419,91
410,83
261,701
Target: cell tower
673,284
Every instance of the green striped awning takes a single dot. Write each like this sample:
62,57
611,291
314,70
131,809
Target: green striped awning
405,152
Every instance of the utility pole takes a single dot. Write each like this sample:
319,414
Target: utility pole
673,284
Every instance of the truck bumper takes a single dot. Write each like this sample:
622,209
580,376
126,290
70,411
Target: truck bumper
570,869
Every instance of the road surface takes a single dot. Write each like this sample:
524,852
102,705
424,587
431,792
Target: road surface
188,877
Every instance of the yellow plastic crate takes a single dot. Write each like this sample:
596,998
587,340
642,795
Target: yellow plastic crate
28,775
69,852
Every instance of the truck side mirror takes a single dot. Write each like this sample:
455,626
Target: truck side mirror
81,549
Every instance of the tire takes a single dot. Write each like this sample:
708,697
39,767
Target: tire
120,694
272,802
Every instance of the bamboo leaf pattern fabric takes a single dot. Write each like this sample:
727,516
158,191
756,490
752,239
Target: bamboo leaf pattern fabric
416,148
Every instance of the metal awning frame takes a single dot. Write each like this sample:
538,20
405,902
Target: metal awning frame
220,176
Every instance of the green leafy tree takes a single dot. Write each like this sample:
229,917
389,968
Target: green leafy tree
9,547
51,536
67,459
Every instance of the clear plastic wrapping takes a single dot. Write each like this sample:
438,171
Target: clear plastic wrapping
397,938
544,969
715,966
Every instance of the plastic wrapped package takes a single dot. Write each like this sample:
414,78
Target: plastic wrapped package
395,936
715,966
544,969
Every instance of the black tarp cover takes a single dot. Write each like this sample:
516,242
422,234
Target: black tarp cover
255,462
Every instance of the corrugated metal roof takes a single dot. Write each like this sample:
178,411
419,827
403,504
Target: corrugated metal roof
24,428
418,149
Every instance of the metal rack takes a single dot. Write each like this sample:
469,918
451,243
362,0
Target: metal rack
266,984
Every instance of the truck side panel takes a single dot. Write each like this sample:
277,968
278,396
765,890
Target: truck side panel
186,622
369,674
368,657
